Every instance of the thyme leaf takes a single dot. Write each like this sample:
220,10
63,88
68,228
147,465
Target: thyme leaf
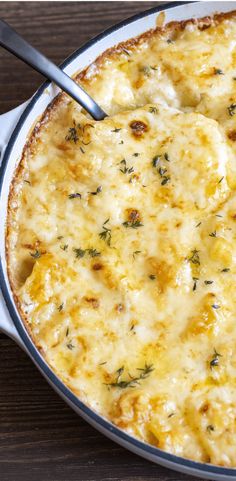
210,428
134,224
195,280
156,160
135,253
75,195
215,359
232,109
36,255
116,130
125,169
218,71
97,191
215,306
153,110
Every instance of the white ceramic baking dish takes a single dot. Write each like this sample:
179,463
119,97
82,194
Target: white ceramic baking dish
14,128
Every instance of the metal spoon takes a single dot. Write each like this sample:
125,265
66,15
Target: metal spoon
12,41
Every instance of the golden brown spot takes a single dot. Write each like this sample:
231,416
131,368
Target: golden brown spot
133,215
204,408
204,27
64,147
119,307
178,224
97,267
93,301
138,128
164,273
87,134
232,135
32,246
134,178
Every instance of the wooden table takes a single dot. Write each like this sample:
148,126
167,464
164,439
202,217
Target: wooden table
41,439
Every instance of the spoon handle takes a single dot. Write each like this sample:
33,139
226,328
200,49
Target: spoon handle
12,41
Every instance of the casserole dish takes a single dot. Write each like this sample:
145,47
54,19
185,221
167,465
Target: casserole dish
12,155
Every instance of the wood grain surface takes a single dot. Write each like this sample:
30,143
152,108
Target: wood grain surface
41,438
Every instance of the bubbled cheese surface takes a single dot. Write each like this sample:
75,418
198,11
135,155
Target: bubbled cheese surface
121,241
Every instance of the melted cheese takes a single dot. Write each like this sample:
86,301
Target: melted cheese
121,241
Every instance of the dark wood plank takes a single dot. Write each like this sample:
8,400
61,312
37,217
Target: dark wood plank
56,28
41,439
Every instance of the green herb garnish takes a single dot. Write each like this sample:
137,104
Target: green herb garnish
153,110
215,359
97,191
232,109
132,381
210,428
218,71
105,235
194,258
135,253
72,133
134,224
80,253
125,169
75,195
36,254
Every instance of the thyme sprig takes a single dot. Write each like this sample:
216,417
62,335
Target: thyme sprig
105,235
125,169
194,258
80,253
73,133
132,381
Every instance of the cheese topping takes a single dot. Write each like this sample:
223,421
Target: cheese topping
121,240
